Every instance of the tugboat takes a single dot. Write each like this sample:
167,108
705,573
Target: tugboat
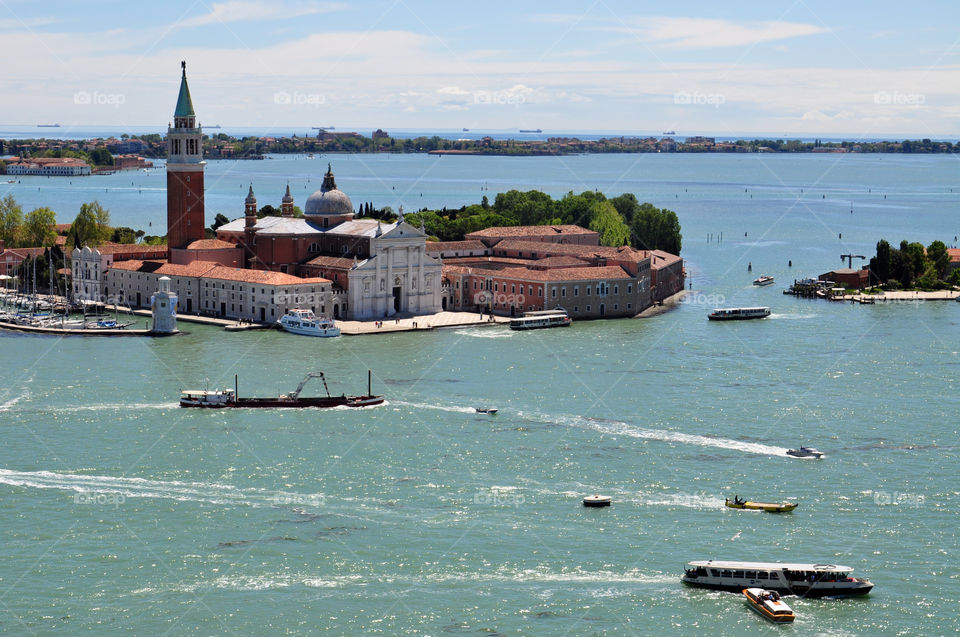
221,398
768,605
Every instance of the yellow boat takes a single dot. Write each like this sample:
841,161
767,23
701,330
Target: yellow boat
769,507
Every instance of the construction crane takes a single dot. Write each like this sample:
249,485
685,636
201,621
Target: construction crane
295,393
850,258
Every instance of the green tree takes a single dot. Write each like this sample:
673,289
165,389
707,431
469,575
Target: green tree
656,229
939,257
90,227
882,266
219,220
101,156
11,219
38,228
917,255
609,224
123,234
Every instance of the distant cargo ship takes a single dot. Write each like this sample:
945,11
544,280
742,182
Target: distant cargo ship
324,128
48,125
669,132
217,126
522,130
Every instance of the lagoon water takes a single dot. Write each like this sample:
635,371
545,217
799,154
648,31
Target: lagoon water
123,513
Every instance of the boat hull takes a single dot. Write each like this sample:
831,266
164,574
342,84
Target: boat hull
784,616
769,507
322,333
275,403
800,590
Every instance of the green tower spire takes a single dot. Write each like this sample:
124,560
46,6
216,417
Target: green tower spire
184,103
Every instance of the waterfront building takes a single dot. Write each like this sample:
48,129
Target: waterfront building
848,277
48,166
208,288
379,269
90,265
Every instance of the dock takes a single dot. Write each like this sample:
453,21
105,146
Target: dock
59,331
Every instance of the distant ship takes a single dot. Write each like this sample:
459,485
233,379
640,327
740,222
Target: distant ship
669,132
217,126
48,125
466,130
324,128
522,130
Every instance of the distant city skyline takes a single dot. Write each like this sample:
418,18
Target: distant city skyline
807,68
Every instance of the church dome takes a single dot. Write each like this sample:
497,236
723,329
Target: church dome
328,201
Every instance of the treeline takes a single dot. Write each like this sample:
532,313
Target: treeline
38,229
620,220
913,266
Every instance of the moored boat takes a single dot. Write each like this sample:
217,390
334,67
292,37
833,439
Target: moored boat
556,317
597,501
810,580
305,323
768,605
221,398
763,279
738,313
805,452
769,507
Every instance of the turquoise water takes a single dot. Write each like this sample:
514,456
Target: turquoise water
122,512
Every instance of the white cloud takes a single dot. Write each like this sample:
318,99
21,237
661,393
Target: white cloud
702,33
251,10
453,90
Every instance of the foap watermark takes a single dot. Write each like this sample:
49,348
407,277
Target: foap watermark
885,498
498,498
896,98
699,99
497,299
699,298
499,98
99,499
283,498
285,98
86,98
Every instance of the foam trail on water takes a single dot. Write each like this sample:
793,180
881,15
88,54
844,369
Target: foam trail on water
211,492
625,429
483,332
452,408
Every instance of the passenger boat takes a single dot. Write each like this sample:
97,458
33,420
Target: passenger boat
769,507
768,605
304,322
810,580
805,452
556,317
763,279
221,398
486,410
738,313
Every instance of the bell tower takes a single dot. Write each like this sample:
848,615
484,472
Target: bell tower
185,166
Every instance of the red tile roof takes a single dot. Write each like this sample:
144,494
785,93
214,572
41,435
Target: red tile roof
541,249
210,244
543,276
456,246
521,231
266,277
341,263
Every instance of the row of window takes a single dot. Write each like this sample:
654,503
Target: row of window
603,289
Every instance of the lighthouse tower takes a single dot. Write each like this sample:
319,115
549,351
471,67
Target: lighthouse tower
185,215
164,306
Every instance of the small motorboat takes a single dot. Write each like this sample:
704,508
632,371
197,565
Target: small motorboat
769,507
305,323
597,501
763,279
486,410
768,605
805,452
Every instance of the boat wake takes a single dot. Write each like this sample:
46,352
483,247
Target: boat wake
793,317
113,407
532,576
625,429
483,332
210,492
9,404
450,408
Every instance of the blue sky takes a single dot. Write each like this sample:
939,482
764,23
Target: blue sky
868,69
